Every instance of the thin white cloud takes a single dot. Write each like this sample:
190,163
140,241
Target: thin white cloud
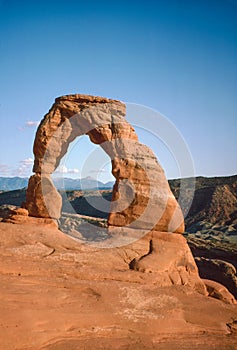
29,124
5,170
73,171
62,169
99,171
27,162
24,168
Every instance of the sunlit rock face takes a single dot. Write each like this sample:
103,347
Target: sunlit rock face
141,195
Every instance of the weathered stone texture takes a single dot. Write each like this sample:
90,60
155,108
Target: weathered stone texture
169,258
46,202
141,188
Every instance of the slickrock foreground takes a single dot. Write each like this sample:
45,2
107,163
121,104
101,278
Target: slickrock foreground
138,286
141,194
59,294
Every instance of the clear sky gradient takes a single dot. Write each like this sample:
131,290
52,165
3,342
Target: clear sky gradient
177,57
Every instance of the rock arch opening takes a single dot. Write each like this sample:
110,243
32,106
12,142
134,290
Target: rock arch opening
85,181
141,195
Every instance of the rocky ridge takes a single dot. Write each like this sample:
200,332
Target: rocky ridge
214,201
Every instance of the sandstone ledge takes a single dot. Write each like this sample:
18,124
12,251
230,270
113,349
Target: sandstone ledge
57,294
82,98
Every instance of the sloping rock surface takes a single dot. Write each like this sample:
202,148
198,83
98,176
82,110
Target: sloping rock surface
60,294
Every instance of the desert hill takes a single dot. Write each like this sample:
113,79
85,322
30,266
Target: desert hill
211,226
215,200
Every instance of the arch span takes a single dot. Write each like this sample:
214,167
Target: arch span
141,195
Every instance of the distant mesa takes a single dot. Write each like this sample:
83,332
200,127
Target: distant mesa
141,195
214,201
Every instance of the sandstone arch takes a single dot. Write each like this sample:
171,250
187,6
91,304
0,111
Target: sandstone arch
134,165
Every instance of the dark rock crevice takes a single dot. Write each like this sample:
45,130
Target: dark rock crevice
133,263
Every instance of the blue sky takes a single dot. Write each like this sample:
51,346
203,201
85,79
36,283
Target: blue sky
177,57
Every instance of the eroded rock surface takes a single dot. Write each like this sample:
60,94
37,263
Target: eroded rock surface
214,202
59,294
141,194
219,271
170,257
42,198
218,291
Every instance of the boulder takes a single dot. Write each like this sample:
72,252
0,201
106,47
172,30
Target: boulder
170,260
218,291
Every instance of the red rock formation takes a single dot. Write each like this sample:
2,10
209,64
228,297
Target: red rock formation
59,294
218,291
171,260
139,178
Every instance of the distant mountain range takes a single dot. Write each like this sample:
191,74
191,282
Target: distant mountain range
87,183
12,183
